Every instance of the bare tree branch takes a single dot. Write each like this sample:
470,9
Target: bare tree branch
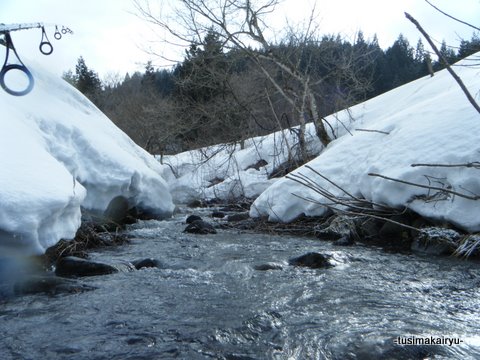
445,61
475,165
441,189
452,17
377,131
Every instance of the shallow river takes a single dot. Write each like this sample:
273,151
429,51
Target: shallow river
208,302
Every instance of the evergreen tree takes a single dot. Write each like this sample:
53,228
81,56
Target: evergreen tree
203,92
423,61
148,79
198,76
468,48
69,77
399,66
87,80
448,54
164,82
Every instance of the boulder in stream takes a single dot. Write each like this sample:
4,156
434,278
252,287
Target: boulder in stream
238,217
71,266
436,241
200,227
312,260
190,219
146,263
340,227
218,214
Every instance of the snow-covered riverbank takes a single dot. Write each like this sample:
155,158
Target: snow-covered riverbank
426,121
60,153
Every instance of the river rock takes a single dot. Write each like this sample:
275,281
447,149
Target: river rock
71,266
344,241
195,204
200,227
259,164
49,284
338,228
367,228
190,219
146,263
436,241
117,211
218,214
312,260
238,217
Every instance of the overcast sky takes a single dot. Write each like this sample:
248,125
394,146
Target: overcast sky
112,39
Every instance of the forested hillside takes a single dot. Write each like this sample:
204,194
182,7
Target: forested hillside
217,95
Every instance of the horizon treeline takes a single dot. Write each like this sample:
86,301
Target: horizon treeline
217,95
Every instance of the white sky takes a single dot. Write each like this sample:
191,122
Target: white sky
111,38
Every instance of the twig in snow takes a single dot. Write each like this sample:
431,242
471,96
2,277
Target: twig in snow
474,164
378,131
476,197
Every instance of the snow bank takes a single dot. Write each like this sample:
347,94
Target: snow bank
227,171
426,121
58,152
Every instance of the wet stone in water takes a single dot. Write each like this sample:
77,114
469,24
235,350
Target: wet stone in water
146,263
200,227
312,260
71,266
192,218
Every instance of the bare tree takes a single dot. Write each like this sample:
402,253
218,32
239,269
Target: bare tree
242,25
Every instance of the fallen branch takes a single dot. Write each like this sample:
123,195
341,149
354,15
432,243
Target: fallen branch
378,131
475,165
354,203
476,197
355,213
445,62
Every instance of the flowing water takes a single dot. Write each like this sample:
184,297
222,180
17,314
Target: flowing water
207,301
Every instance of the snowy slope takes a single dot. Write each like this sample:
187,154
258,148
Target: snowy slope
225,171
426,121
59,152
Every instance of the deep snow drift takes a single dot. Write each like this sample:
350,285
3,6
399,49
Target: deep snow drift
58,153
227,171
426,121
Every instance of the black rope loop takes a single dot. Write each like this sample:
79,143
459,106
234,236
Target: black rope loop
21,67
45,47
57,35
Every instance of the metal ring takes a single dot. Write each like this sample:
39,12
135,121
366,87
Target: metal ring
57,35
22,68
49,48
64,31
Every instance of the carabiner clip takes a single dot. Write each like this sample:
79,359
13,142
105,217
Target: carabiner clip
45,43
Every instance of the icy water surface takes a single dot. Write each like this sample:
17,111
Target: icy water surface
208,302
